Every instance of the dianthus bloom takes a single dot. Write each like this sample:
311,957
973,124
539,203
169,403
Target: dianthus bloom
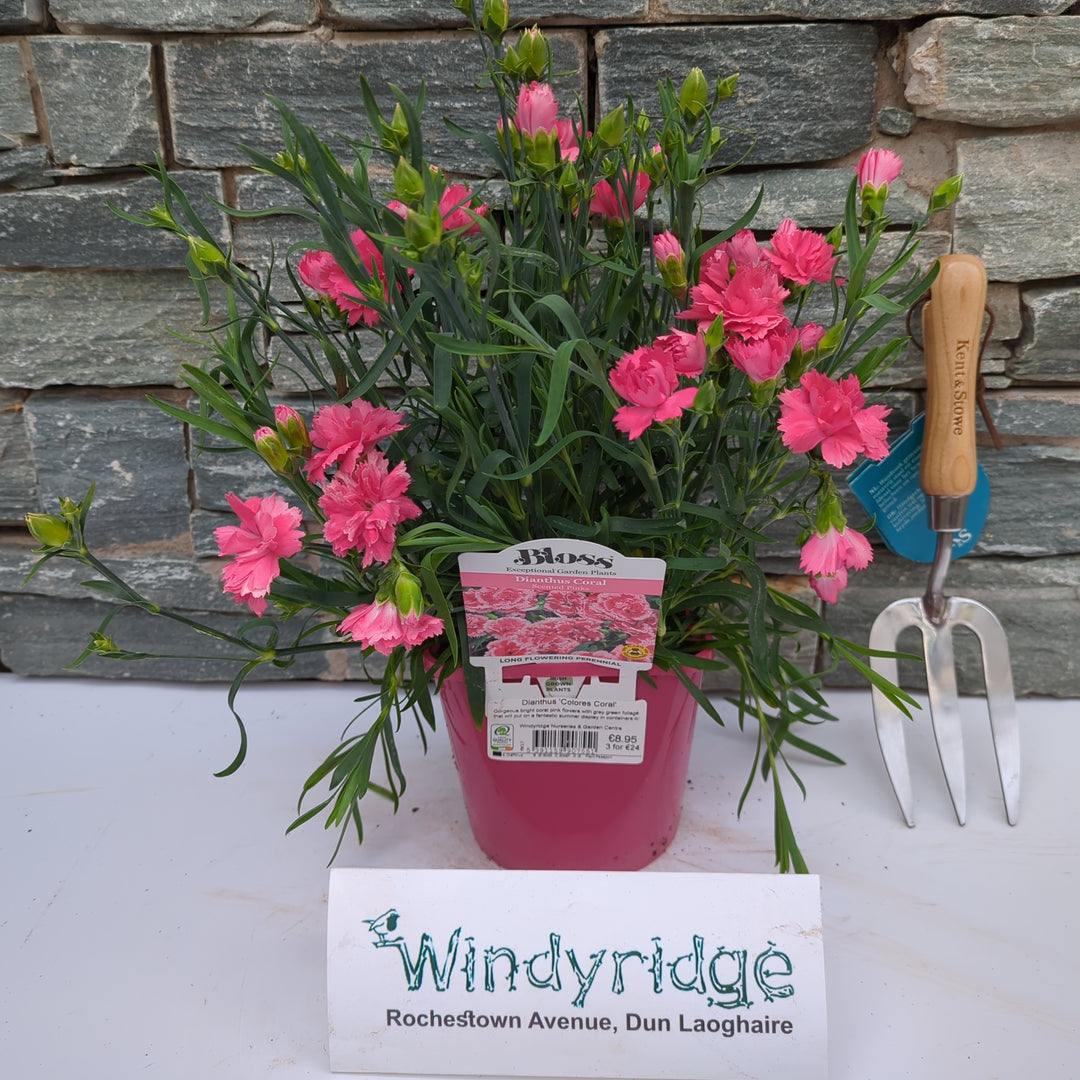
381,626
611,201
364,506
454,209
801,255
823,411
320,271
829,586
269,530
537,114
835,549
536,109
764,359
647,379
687,351
878,167
750,300
344,433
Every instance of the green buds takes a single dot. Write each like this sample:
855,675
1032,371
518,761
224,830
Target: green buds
534,53
423,231
408,183
612,129
495,19
271,449
49,531
945,194
694,95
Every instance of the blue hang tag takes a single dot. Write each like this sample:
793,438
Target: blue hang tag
889,491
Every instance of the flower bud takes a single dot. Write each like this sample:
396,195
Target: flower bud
204,254
408,596
671,261
705,398
465,7
612,129
408,183
396,133
423,232
158,217
511,62
534,52
495,19
694,95
945,194
292,429
725,88
271,449
48,530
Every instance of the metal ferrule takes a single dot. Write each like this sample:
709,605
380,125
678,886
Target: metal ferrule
946,512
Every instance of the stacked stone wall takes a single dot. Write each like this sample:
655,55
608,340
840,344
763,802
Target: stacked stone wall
90,89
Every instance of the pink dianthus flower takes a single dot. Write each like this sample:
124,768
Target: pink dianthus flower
611,200
454,209
344,433
822,411
687,351
829,586
381,626
801,255
320,271
877,167
269,530
751,301
647,379
836,549
763,359
364,506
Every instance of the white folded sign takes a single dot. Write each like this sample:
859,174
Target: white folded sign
566,974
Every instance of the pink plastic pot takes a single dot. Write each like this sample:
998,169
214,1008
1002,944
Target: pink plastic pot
547,815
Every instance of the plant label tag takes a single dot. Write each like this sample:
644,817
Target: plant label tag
889,491
500,973
603,729
561,599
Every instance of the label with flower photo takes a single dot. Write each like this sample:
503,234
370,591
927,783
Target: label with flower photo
550,602
558,600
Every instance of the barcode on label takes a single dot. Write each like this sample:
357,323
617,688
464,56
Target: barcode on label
565,739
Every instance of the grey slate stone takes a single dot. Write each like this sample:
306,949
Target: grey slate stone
193,16
405,14
73,226
1036,412
217,473
1000,72
806,91
25,167
43,635
1049,351
1011,72
99,100
21,14
132,450
18,481
116,329
1018,190
856,9
1035,496
1035,599
16,108
894,121
813,197
213,106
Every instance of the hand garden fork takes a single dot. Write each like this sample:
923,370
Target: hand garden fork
952,323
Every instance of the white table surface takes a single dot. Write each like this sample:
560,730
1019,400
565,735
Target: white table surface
156,922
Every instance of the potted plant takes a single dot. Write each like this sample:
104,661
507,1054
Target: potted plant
556,350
